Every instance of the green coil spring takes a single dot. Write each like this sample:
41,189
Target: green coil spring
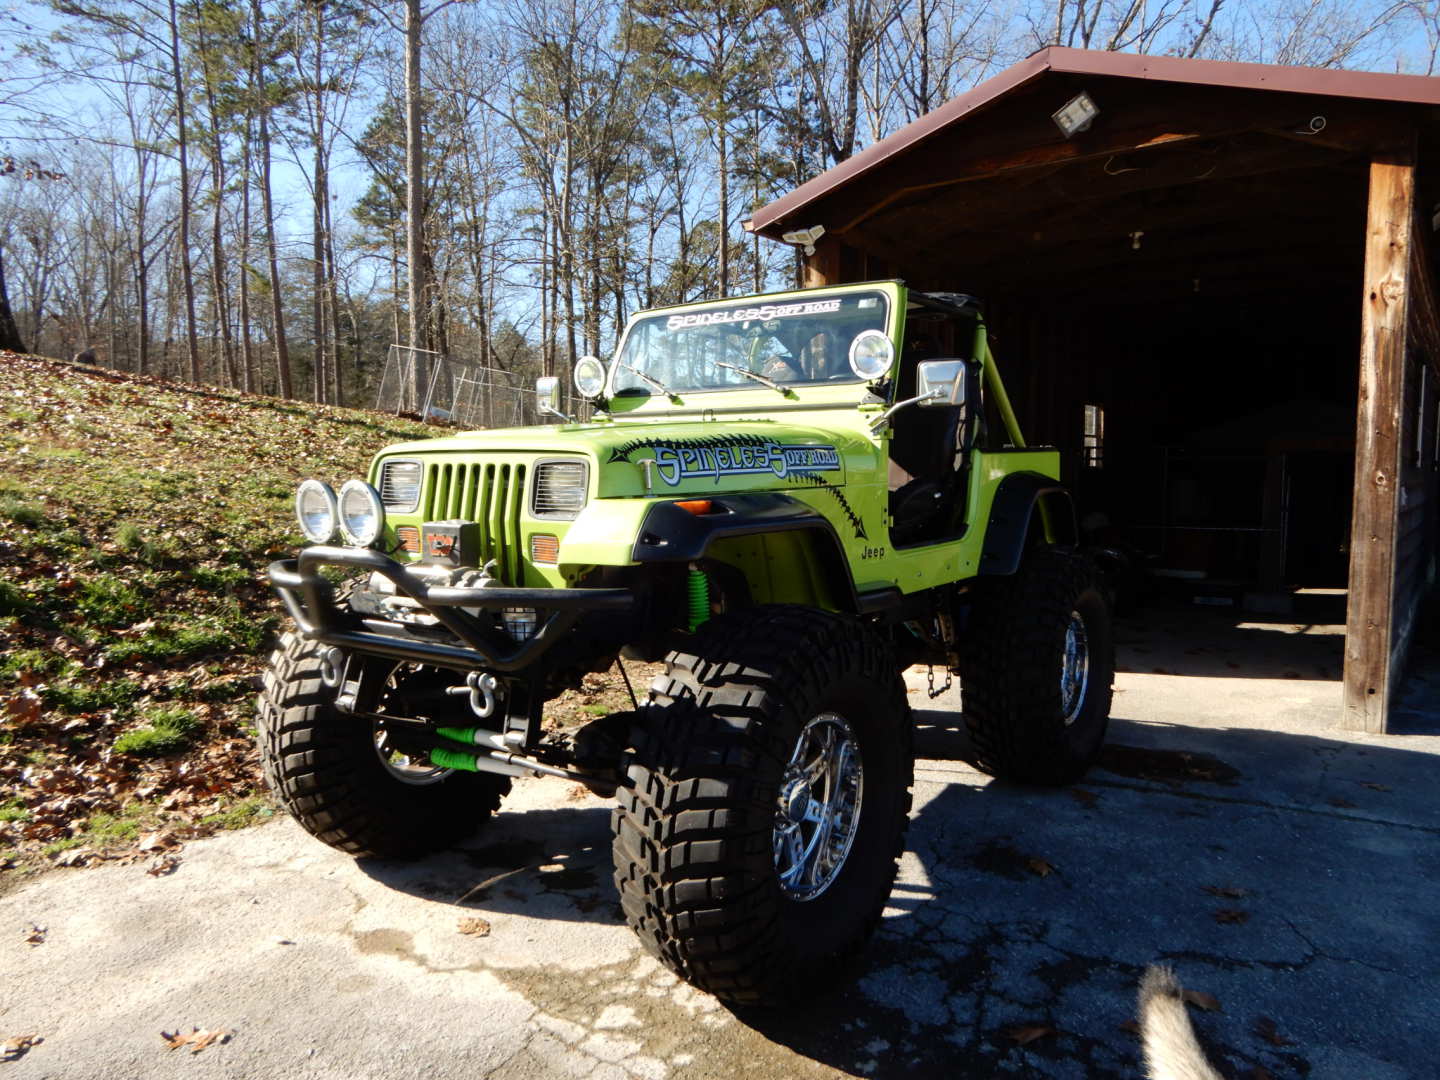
698,593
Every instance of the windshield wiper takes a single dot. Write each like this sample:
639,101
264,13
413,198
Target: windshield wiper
656,383
764,380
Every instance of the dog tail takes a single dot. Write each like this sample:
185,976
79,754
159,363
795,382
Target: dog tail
1171,1050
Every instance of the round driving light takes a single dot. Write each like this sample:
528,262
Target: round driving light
871,354
316,511
362,515
589,377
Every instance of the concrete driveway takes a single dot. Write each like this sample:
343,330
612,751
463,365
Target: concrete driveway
1284,867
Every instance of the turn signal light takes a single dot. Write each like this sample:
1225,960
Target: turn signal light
544,549
696,506
408,537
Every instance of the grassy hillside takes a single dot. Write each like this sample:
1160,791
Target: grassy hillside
136,519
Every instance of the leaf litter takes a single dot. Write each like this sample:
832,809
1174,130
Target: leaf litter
135,583
196,1040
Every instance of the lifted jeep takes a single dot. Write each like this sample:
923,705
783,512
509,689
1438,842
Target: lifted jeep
790,499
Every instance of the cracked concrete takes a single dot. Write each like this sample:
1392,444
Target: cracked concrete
1015,908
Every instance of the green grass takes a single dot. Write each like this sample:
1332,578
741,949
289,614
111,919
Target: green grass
597,710
92,692
14,600
38,662
19,512
239,814
166,731
14,810
108,600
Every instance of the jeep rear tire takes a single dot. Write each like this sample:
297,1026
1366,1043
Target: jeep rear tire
329,772
1037,668
765,804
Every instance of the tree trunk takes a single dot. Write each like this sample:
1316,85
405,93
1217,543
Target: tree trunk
247,356
277,307
186,270
414,175
9,332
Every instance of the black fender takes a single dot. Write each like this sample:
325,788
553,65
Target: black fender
671,534
1017,501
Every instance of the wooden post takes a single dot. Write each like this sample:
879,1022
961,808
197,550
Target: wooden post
1368,627
823,268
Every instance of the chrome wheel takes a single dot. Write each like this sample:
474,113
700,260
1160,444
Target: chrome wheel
404,768
408,770
817,810
1074,669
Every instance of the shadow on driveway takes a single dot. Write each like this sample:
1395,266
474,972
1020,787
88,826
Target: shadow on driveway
1289,875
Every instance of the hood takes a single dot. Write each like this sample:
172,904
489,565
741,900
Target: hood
688,456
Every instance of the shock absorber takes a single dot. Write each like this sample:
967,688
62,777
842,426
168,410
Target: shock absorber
698,596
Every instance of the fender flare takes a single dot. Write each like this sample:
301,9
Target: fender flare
670,534
1016,501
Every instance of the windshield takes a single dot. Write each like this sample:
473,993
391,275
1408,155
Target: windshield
792,342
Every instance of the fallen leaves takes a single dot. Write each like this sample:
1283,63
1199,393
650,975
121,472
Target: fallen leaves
475,927
1201,1000
13,1049
1226,892
1025,1034
196,1040
1039,867
1265,1028
163,865
1230,916
35,935
1087,799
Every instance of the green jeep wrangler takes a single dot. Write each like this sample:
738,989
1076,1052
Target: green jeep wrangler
789,499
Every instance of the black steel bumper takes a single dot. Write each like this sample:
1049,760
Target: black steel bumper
310,600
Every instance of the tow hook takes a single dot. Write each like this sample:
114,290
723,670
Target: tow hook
332,667
481,687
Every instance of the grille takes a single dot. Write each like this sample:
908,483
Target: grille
488,493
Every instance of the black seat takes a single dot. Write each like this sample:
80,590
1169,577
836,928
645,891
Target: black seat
925,443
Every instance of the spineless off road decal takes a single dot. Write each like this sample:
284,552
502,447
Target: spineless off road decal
683,459
715,456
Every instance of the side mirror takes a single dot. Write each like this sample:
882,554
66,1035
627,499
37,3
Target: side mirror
941,382
547,396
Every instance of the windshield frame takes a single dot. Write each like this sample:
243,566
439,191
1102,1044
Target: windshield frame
887,291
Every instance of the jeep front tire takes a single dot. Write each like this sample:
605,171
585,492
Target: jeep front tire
340,782
765,804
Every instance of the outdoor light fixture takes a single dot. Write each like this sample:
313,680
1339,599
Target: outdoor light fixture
1076,115
804,237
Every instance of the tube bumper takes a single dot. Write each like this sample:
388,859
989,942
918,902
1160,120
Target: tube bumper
310,599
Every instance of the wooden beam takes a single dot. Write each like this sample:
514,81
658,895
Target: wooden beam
1389,237
1019,136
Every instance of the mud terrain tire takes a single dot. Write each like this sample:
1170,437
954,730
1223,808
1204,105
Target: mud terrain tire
1021,722
323,766
701,821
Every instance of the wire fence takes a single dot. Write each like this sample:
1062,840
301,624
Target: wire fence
444,390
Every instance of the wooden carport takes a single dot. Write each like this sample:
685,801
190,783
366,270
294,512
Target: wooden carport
1252,198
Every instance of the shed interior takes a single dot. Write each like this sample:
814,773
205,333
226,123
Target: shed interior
1182,318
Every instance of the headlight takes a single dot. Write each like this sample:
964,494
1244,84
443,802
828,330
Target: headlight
589,377
871,354
400,486
559,489
361,514
316,512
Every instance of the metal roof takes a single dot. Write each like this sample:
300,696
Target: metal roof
1322,82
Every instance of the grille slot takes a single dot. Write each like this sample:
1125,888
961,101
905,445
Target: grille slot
488,493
